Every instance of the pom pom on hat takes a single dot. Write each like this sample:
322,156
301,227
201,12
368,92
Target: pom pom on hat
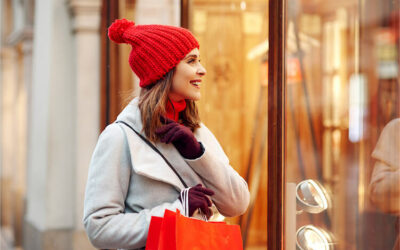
118,28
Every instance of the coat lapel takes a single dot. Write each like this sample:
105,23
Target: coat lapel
145,161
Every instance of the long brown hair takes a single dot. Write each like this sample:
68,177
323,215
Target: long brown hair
152,104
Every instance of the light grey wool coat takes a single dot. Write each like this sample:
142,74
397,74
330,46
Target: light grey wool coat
129,182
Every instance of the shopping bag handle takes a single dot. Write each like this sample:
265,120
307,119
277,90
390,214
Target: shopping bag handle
185,203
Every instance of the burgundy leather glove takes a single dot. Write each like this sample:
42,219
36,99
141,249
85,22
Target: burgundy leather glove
198,199
182,138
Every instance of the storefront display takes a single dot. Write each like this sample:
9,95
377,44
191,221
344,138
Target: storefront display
340,87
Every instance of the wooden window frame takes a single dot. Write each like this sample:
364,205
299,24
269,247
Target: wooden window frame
109,78
276,125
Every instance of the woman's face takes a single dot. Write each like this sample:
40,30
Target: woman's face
186,81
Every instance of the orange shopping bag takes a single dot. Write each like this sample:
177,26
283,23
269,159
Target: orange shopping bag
178,232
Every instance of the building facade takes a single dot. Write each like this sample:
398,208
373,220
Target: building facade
298,92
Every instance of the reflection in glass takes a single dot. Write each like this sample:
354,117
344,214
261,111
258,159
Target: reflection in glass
313,238
312,197
342,89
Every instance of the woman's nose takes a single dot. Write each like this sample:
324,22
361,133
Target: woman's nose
201,70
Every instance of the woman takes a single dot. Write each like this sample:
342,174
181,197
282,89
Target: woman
129,181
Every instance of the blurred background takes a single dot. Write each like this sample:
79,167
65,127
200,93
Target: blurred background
62,81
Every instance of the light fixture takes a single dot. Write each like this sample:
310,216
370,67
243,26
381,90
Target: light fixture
312,197
313,238
243,5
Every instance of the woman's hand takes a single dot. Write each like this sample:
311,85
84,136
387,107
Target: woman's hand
182,138
198,199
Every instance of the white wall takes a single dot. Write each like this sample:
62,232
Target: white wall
158,12
51,155
87,93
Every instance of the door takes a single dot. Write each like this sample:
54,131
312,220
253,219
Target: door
342,126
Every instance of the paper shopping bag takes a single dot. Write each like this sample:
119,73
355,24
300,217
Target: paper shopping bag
182,233
154,233
167,239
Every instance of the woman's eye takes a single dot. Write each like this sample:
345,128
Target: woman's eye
193,60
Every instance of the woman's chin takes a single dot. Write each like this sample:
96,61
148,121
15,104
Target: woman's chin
195,98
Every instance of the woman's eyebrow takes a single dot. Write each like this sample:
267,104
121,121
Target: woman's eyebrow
192,55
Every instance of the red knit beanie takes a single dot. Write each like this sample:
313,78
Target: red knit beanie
156,49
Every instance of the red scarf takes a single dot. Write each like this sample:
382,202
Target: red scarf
174,108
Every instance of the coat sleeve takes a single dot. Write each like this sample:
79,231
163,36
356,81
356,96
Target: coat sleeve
231,191
384,188
106,223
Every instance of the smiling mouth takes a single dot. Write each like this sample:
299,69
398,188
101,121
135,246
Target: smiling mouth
197,84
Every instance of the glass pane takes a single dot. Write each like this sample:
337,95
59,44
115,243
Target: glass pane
343,126
233,45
